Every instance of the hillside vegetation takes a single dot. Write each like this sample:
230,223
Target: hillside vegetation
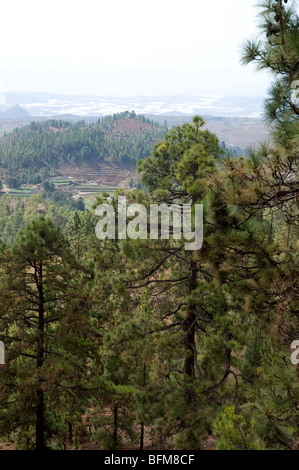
34,152
136,341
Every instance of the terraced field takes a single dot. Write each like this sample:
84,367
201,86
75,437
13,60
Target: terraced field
86,181
89,192
94,188
61,182
23,192
106,173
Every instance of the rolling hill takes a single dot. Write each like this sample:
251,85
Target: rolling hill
105,151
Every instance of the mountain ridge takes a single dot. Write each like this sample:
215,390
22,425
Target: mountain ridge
16,112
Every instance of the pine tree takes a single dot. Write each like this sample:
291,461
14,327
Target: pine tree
45,325
278,53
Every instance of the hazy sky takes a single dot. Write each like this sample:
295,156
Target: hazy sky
128,47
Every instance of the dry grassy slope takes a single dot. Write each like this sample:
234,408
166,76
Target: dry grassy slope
130,126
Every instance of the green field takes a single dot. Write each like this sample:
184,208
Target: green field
60,181
89,201
92,192
96,189
24,191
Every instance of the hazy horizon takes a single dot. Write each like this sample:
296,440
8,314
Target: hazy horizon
129,49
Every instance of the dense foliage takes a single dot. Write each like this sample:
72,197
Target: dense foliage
15,214
144,342
32,153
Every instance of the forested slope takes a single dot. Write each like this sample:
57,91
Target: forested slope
41,148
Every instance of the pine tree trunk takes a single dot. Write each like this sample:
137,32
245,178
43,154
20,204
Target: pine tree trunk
141,436
142,423
70,431
115,423
40,418
190,326
40,408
